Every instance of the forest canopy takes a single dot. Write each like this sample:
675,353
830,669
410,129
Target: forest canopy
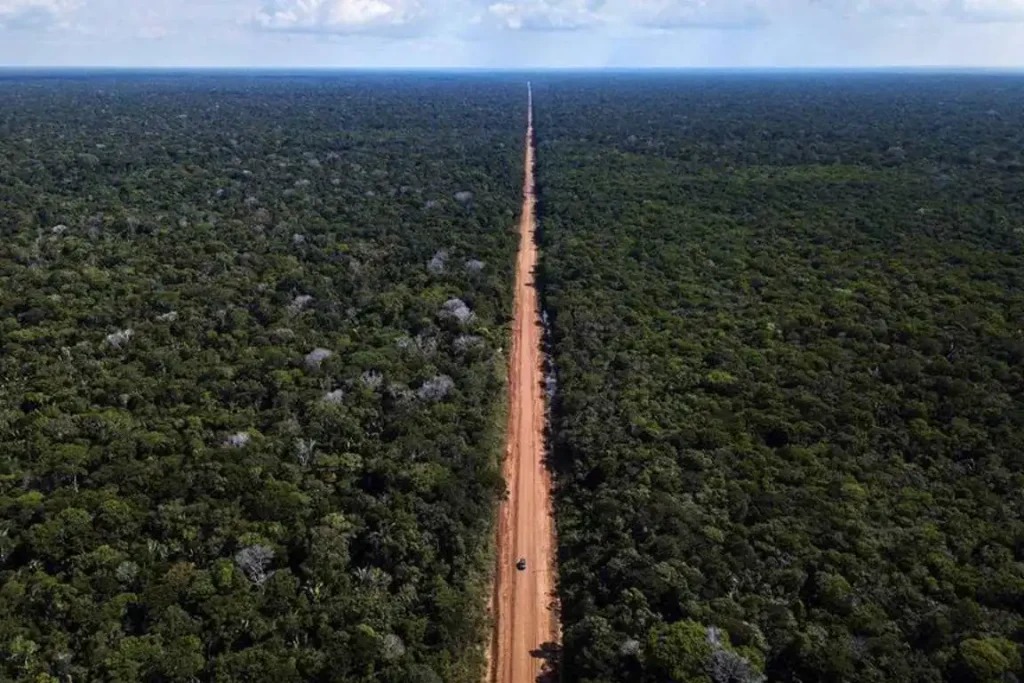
251,333
252,342
785,314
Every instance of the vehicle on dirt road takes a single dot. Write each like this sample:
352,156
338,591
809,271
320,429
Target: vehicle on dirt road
521,564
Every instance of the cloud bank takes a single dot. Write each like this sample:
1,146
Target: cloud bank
721,14
35,14
368,16
489,33
547,15
341,16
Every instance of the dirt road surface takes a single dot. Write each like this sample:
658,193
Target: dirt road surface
524,602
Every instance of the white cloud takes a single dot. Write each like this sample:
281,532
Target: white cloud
992,10
957,10
892,7
341,16
729,14
546,15
719,14
35,14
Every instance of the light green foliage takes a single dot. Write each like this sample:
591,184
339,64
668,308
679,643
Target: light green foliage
988,660
679,652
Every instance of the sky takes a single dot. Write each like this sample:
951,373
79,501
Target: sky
512,33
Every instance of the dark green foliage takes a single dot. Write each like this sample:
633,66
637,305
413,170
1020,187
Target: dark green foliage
786,319
203,497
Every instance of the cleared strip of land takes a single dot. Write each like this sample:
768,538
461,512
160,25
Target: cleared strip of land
526,623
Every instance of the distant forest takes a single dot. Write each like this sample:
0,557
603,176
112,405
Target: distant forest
786,317
251,335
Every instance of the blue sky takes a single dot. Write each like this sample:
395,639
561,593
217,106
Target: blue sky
512,33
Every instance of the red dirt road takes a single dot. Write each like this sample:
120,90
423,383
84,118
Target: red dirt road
524,601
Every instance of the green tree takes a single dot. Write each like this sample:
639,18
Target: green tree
680,651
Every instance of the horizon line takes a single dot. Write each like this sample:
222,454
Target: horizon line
939,68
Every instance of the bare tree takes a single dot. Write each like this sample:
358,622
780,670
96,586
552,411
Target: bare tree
316,357
120,338
727,666
299,303
238,439
436,389
458,310
254,561
372,379
391,647
438,262
336,397
630,647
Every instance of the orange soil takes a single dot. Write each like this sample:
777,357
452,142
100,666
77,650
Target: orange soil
524,601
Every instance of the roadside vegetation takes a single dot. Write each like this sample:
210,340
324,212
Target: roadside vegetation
786,316
251,336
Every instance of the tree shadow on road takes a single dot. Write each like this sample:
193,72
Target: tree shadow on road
551,653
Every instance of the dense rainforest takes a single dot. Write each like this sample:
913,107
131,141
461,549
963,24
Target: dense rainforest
251,349
786,318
